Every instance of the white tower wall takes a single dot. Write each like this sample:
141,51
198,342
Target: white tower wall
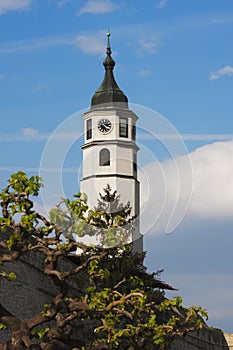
110,150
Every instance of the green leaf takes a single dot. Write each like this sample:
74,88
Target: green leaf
12,276
40,333
2,326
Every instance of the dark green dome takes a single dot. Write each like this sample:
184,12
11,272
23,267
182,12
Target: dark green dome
109,94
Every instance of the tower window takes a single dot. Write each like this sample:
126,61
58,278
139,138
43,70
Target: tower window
135,164
133,132
89,129
123,127
104,157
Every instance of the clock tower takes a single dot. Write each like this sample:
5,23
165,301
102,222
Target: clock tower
110,150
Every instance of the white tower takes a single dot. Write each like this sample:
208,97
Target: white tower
110,150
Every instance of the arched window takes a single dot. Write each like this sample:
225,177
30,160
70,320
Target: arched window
104,157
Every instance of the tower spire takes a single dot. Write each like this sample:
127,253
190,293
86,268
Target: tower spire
109,94
108,52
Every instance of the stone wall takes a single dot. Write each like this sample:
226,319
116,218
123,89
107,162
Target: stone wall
205,339
229,339
26,296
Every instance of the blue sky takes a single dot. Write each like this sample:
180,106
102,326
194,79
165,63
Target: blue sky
174,57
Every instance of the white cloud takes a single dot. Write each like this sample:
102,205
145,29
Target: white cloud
30,135
187,137
40,87
90,44
227,70
166,186
26,134
149,44
12,169
160,4
36,44
63,2
98,7
13,5
29,132
23,138
144,73
207,137
35,170
213,181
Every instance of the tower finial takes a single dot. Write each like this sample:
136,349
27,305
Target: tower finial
108,45
109,92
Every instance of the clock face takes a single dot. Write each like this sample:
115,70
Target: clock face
104,125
